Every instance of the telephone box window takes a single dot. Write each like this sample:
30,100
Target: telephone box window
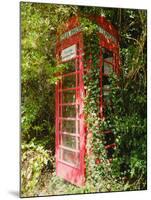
69,81
70,66
69,141
69,126
70,157
69,111
69,96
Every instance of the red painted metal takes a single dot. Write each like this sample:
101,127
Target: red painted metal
113,47
69,169
70,164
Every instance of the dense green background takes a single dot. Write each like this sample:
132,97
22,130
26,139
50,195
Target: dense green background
39,23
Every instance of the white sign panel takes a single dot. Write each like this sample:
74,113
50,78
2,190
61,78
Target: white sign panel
68,53
70,33
107,35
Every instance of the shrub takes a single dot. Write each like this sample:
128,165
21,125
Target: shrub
33,159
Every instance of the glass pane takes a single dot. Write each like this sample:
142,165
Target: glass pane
106,53
68,96
60,153
109,138
109,59
106,93
59,84
110,152
107,68
78,126
70,66
69,81
107,101
69,111
69,141
78,143
78,110
78,79
105,80
59,125
59,139
69,126
70,157
59,97
106,90
59,111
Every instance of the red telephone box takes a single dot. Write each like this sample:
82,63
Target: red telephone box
70,126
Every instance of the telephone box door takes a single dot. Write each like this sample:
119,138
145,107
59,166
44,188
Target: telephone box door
70,136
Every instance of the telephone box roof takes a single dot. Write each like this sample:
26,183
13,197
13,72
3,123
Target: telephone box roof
74,21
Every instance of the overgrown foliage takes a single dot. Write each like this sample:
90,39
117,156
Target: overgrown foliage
127,118
33,158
